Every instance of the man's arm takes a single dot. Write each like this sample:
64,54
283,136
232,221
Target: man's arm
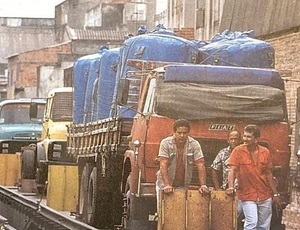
270,180
215,178
164,174
202,175
215,167
231,178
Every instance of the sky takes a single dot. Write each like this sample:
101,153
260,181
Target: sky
42,8
28,8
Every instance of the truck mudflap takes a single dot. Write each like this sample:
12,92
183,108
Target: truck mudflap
10,169
188,209
65,198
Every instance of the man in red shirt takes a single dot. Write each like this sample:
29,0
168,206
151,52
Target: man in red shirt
251,164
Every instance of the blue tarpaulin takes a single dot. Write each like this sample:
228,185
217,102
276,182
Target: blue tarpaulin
159,46
237,49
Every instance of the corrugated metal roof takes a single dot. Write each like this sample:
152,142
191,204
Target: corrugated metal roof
111,35
115,1
265,17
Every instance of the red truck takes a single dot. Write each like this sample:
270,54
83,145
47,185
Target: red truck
158,79
216,99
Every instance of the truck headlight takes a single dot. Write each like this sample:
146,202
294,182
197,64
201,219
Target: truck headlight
4,150
56,154
56,150
57,147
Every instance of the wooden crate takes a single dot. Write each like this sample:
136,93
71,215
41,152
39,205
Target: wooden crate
189,210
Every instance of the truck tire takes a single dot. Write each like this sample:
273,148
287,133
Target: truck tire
92,198
83,193
28,169
126,215
100,204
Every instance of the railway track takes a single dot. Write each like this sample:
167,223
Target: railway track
28,212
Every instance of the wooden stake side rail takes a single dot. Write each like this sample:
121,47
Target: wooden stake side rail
103,136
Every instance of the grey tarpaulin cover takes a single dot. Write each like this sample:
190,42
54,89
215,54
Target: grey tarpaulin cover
198,101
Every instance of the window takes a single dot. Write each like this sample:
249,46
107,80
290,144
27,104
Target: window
16,113
148,106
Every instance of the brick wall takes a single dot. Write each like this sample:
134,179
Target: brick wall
187,33
24,67
287,59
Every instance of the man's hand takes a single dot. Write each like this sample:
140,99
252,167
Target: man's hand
230,191
276,199
168,189
204,189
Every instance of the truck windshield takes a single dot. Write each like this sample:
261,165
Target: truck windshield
17,113
62,108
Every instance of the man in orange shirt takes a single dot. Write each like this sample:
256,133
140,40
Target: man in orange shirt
251,164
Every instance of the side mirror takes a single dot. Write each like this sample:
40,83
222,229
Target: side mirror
33,110
123,90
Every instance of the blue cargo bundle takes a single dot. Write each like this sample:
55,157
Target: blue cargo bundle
223,75
106,83
237,49
159,46
80,77
86,70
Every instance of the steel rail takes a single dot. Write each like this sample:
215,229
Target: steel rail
14,205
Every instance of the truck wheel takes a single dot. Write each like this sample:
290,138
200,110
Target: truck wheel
83,193
99,204
28,169
92,198
126,205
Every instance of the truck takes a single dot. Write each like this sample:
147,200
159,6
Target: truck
51,148
17,129
160,47
117,155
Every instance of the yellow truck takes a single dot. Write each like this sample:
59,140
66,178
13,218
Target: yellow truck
51,150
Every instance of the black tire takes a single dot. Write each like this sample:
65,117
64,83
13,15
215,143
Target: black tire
92,198
100,204
83,193
126,215
28,168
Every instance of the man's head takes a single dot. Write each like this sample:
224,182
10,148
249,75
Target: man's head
234,139
251,135
181,128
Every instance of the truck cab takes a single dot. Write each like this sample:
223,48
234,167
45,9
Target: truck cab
52,146
17,129
216,100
